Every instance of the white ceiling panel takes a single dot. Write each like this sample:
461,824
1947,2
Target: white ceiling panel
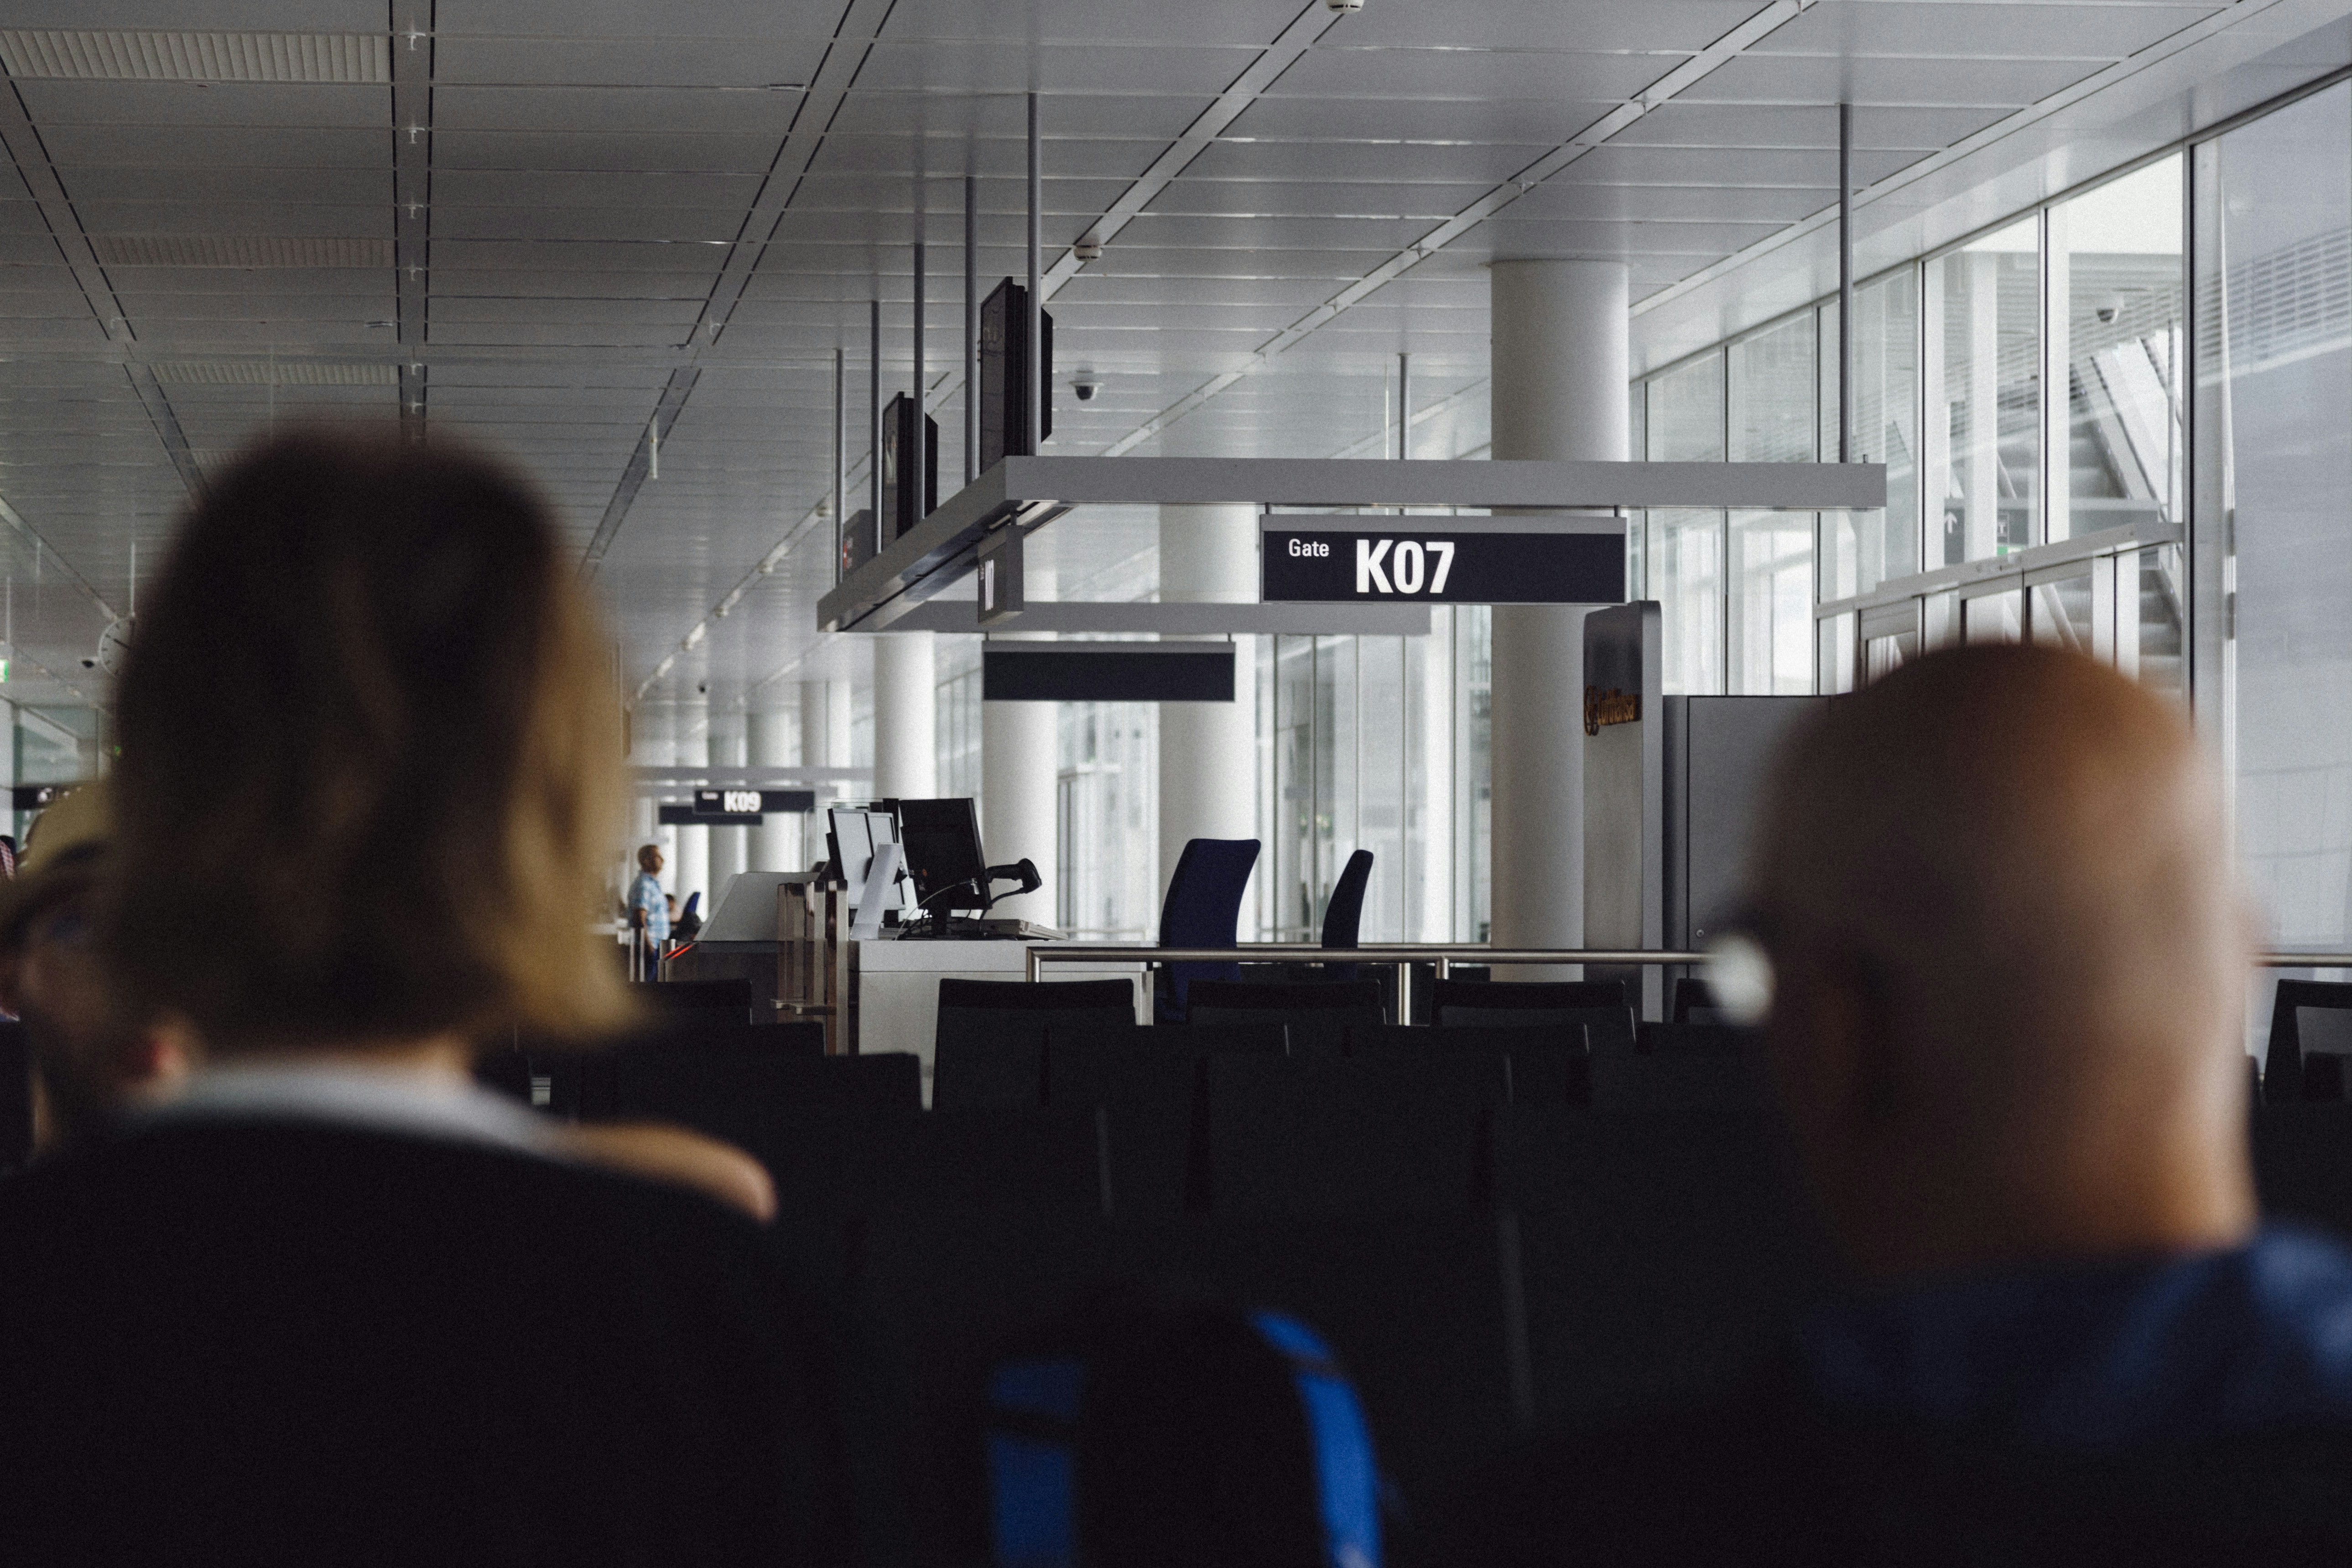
576,188
1371,120
1920,29
1875,125
1588,25
624,110
1470,76
583,148
602,177
746,19
209,147
1881,79
665,61
130,104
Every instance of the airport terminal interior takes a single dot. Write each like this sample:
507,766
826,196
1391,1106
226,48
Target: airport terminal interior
1025,451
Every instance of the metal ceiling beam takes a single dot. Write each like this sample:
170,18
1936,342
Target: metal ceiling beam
412,194
1027,493
640,467
30,154
963,616
844,56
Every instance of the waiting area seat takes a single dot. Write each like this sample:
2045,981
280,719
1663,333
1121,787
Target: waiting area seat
1203,909
1316,1015
988,1045
1545,1067
697,1001
2291,1070
1348,1135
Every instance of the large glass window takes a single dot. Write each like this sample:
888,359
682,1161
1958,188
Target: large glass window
1108,815
1684,567
1984,450
2274,498
1865,548
2114,259
1768,637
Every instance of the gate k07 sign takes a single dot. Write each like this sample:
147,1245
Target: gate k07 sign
1395,559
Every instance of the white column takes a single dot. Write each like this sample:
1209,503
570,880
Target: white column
769,737
1560,373
906,705
825,743
731,847
1021,780
1208,751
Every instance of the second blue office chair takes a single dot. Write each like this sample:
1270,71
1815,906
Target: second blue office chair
1204,908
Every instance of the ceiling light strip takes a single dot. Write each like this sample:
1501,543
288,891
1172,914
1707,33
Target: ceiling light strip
94,55
1696,69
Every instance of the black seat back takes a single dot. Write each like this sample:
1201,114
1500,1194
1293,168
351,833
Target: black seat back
1688,1039
740,1097
996,1055
2302,1163
1610,1028
1544,995
15,1098
1547,1067
2284,1077
1044,996
1662,1250
1335,1135
700,1001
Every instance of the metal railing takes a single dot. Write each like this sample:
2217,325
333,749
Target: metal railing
1404,955
1401,955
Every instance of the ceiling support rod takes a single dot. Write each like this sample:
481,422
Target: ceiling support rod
1404,405
971,328
840,463
874,417
1845,283
1033,394
917,464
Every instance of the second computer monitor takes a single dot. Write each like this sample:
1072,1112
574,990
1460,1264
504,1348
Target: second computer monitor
942,845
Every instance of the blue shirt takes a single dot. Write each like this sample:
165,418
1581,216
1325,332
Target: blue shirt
2104,1356
645,893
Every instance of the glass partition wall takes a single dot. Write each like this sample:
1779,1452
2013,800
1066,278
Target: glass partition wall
2099,436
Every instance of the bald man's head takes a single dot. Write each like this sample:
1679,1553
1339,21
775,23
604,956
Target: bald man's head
2011,949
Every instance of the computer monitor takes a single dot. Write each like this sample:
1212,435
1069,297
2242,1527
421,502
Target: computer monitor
942,838
857,832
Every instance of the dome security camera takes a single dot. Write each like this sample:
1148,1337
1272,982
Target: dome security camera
2109,310
1086,390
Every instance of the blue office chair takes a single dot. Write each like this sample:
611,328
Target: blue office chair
1345,913
1204,908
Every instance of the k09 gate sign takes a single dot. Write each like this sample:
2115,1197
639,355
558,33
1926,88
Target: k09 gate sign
1396,561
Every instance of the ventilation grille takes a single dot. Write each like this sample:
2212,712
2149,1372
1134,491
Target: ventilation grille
91,56
237,251
273,373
